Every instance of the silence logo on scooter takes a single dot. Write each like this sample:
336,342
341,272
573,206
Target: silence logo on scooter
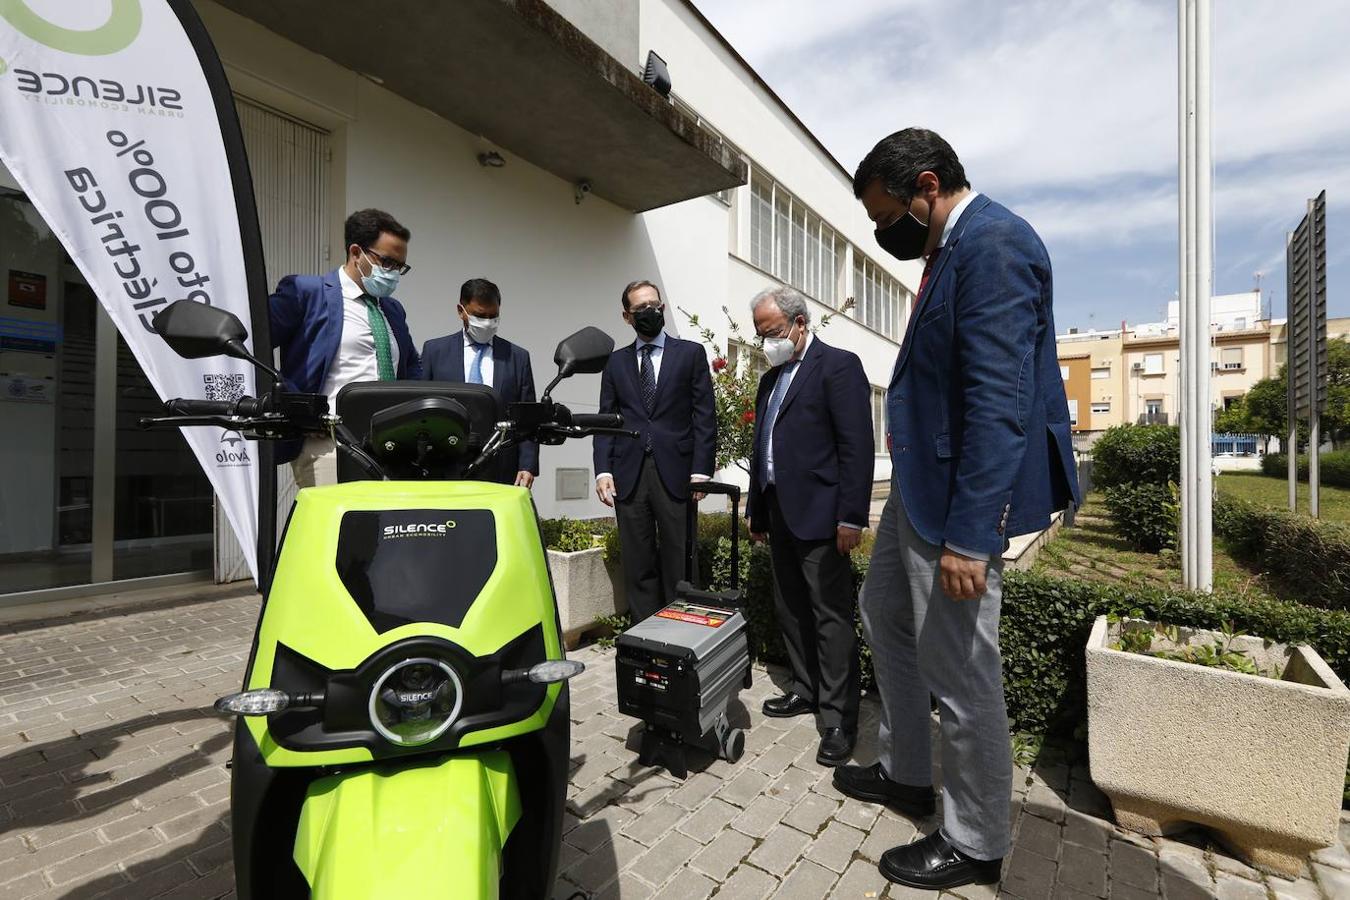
419,530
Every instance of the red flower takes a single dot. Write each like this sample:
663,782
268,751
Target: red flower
748,416
719,363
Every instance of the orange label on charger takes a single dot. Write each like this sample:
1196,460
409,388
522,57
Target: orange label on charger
697,615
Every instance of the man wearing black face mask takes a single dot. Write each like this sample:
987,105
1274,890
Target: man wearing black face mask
980,451
662,387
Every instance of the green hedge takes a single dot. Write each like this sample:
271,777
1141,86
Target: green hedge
569,535
1044,625
1308,557
1137,454
1334,467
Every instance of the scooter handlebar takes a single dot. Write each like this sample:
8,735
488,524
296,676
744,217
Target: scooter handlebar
597,420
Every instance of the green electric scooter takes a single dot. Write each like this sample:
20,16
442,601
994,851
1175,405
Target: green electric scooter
403,732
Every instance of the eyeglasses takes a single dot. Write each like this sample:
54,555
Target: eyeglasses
388,262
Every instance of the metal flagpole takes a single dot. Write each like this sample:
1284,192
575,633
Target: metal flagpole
1196,281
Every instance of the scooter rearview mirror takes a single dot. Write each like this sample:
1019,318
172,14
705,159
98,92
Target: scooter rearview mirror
194,330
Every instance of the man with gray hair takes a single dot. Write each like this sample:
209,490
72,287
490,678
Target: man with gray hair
810,489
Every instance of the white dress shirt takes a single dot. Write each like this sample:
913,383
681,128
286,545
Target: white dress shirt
486,368
355,360
789,372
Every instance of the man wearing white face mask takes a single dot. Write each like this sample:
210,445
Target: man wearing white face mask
342,327
810,490
476,355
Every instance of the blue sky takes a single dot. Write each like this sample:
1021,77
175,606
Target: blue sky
1065,110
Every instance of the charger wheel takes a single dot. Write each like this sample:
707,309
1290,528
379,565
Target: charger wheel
733,745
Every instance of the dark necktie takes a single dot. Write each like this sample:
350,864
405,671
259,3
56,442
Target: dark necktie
928,268
647,378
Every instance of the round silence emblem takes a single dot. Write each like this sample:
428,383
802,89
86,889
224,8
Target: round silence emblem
113,36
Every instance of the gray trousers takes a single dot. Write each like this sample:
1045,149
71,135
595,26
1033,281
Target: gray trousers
813,600
923,642
652,527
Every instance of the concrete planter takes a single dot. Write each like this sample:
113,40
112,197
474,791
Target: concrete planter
585,590
1258,760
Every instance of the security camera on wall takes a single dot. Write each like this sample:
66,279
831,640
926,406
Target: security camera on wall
581,189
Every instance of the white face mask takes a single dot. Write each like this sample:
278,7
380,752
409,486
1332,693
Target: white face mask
482,331
780,349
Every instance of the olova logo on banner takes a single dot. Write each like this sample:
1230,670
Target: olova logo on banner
113,36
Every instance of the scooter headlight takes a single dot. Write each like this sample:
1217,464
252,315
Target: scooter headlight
415,701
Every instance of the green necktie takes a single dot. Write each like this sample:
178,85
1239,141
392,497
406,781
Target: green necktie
379,330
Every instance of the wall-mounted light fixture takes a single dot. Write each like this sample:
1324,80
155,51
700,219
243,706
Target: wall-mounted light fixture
491,160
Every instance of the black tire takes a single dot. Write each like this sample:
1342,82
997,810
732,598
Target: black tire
733,745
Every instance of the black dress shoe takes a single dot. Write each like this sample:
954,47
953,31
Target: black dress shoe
935,865
836,746
787,706
871,784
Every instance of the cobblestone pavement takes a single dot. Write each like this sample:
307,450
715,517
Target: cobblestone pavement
113,783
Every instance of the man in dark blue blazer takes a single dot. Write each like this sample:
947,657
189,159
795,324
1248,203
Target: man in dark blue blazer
476,355
342,327
810,493
981,452
662,387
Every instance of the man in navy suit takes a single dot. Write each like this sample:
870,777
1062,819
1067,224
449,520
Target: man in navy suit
810,491
476,355
342,327
981,452
662,387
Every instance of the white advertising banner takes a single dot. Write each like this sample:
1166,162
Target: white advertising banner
110,124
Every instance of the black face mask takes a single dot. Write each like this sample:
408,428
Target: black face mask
649,321
905,238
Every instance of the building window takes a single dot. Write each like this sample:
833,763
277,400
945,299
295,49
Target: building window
1153,363
739,353
1064,372
1232,358
1100,372
879,299
792,243
879,419
1101,408
1073,412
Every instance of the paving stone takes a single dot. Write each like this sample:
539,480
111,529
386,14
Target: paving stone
1284,889
885,834
1231,887
1039,836
1044,802
1121,890
1334,882
687,885
697,789
1133,865
723,854
1064,892
793,784
603,864
975,892
626,887
858,814
761,816
778,852
1028,875
1082,869
748,883
775,760
835,846
807,880
655,823
861,880
669,854
598,829
810,813
1225,863
1336,856
1187,884
744,788
706,822
1087,831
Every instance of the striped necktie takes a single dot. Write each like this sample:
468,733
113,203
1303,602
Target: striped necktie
379,332
771,417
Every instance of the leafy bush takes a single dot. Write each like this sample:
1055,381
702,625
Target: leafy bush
570,535
1334,470
1137,454
1045,624
1308,557
1046,621
1145,515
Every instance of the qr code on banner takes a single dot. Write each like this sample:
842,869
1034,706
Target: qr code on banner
224,386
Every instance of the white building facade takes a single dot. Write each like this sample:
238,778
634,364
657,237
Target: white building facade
100,503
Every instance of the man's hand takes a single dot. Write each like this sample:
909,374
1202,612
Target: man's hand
524,479
758,537
962,577
699,495
604,489
846,539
